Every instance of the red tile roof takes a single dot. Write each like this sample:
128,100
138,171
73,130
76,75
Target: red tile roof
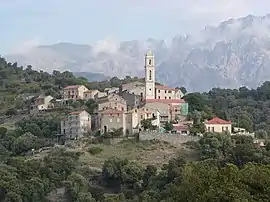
75,113
165,101
160,87
111,111
71,87
179,127
217,120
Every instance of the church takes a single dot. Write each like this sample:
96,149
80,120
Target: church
155,92
168,101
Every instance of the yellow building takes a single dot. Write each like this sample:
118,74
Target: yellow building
217,125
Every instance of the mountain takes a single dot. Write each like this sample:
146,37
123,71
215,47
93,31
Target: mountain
91,76
235,53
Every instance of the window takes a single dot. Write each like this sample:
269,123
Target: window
227,128
149,61
158,97
110,120
158,91
165,91
150,89
170,98
169,91
141,116
165,98
213,129
150,74
208,129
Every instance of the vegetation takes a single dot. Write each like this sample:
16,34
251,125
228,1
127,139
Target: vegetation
227,168
246,108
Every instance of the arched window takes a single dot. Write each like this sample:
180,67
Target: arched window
150,62
150,74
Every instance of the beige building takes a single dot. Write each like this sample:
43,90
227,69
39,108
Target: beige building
217,125
112,101
111,119
74,92
76,124
129,121
135,116
164,92
90,94
136,87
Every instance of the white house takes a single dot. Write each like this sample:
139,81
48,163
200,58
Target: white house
76,124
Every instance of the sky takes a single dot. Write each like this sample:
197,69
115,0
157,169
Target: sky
28,23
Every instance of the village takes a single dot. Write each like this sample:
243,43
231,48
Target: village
131,106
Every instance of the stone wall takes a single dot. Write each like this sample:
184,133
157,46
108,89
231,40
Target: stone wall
172,138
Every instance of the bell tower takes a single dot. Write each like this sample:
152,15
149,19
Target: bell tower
149,75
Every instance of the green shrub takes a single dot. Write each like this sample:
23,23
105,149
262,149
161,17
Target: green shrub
95,150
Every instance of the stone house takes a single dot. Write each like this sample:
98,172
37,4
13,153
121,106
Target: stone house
136,87
74,92
42,103
217,125
112,101
90,94
76,124
164,92
135,116
132,100
111,119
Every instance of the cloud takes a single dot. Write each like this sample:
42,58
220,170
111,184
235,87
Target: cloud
27,45
108,45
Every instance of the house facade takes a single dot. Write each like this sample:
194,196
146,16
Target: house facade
90,94
44,102
76,124
112,101
74,92
217,125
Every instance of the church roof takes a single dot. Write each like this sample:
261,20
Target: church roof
217,120
165,101
160,87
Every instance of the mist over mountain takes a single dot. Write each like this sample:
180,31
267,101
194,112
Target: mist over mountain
235,53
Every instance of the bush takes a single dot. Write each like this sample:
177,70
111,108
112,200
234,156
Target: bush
95,150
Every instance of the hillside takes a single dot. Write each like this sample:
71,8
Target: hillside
233,54
104,168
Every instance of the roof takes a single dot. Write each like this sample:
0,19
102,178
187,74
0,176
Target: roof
111,111
165,101
179,127
217,120
71,87
90,91
160,87
75,113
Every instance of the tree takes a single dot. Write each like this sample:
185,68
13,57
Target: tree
91,106
146,124
168,126
25,143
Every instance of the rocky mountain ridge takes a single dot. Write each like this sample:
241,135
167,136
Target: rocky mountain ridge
235,53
